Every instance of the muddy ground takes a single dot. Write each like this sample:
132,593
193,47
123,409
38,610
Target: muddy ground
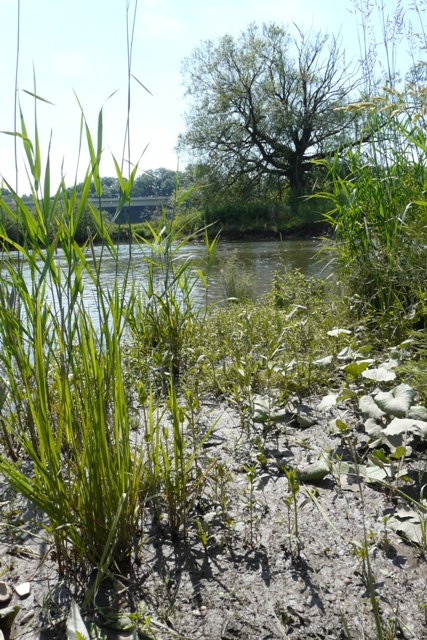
243,572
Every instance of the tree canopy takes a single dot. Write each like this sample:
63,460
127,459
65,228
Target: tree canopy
154,182
266,105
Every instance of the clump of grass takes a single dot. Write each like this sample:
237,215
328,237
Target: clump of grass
235,281
66,409
163,313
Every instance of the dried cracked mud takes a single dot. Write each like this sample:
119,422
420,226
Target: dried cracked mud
242,572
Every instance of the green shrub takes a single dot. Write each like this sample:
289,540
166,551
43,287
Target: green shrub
379,217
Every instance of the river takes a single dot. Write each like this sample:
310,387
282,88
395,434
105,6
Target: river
258,260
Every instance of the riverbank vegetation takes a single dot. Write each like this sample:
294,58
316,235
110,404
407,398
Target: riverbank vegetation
172,455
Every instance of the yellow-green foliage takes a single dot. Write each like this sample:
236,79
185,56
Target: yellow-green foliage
378,211
271,343
66,406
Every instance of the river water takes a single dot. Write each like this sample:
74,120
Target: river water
258,260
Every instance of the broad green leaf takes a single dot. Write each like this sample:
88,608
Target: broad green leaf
379,455
365,349
76,629
379,375
264,411
369,408
376,472
346,354
7,618
327,402
345,394
315,471
404,432
417,412
393,361
338,332
356,368
119,622
396,402
409,524
400,452
350,475
324,362
339,425
373,429
402,426
304,416
342,426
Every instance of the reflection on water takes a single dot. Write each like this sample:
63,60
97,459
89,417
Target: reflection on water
261,259
258,259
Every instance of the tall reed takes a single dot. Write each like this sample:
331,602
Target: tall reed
377,196
377,188
66,410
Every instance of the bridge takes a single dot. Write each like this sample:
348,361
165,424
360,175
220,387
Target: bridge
145,201
140,208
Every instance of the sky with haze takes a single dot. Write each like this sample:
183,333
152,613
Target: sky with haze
79,49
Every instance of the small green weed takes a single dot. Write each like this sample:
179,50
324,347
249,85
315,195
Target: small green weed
234,280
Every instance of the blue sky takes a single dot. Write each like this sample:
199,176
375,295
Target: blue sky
80,47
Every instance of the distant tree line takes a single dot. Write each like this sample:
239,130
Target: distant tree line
154,182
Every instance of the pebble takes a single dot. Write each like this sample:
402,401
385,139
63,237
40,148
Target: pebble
5,593
27,617
23,590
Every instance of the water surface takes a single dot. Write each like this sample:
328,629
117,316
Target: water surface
259,260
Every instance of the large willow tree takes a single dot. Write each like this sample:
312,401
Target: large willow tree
265,105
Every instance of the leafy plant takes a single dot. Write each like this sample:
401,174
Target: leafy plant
176,479
234,280
378,213
163,314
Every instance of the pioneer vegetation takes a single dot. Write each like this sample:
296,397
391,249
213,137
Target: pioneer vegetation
159,445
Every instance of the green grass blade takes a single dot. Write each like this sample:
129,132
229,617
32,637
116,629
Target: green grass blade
37,97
